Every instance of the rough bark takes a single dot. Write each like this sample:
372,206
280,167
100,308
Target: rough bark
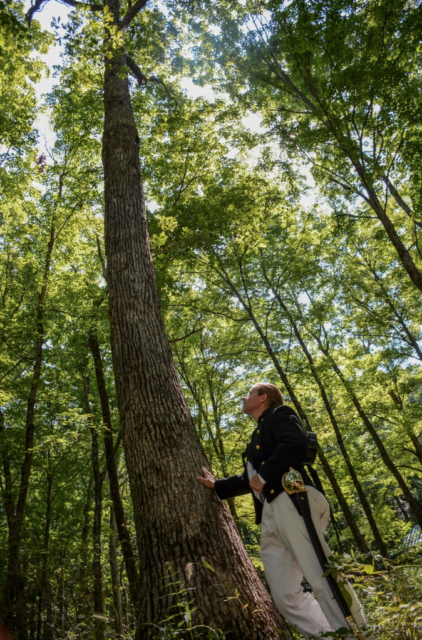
123,532
339,437
96,529
216,438
182,528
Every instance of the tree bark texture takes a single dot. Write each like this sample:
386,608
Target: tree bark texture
123,532
180,524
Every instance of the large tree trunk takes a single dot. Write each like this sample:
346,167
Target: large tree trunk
182,528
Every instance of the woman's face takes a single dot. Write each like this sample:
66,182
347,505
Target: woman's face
253,401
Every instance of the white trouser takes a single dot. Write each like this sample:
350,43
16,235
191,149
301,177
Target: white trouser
288,555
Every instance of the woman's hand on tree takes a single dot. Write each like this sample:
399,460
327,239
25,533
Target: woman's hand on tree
208,480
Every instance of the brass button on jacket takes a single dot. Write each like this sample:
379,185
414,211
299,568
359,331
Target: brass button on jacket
257,446
272,491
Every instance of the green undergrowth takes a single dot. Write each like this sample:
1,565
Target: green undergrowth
390,592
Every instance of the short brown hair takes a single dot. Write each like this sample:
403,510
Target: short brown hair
275,397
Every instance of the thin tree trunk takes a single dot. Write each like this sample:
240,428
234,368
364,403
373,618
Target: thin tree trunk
114,569
126,608
378,442
351,151
7,494
402,511
45,580
360,540
16,521
404,255
363,500
123,532
85,531
410,339
22,601
409,428
417,445
96,530
182,528
220,453
39,612
62,600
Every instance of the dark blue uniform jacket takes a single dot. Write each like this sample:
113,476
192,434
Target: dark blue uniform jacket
278,443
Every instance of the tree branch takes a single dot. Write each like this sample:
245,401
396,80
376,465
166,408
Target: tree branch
186,335
136,72
143,80
33,9
131,13
71,3
159,81
75,3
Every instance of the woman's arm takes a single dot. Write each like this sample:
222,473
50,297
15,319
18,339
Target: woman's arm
226,487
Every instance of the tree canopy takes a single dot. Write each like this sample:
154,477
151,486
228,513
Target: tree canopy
287,253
